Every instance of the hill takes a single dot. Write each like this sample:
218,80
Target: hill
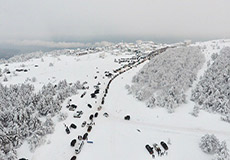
45,94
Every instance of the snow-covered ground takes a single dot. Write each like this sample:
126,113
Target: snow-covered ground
113,137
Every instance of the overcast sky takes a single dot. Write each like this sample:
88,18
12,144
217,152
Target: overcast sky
89,20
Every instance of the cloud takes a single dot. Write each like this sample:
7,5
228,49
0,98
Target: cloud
51,44
86,20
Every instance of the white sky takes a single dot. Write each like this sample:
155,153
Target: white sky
89,19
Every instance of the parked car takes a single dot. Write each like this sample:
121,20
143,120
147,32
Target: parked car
99,108
89,129
72,107
106,114
73,126
149,149
83,124
127,117
79,138
77,114
89,105
85,136
73,158
73,142
79,147
164,145
83,94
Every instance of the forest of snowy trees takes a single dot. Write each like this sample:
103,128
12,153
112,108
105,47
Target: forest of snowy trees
211,145
163,81
212,93
26,115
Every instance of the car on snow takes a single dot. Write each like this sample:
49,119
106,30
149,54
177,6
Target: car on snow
89,128
72,107
106,114
164,145
83,124
79,147
149,149
77,114
127,117
99,108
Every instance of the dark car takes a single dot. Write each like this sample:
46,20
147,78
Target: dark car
73,126
96,91
72,107
96,114
85,136
91,117
149,149
83,94
127,117
164,145
73,142
67,130
89,128
93,95
89,105
73,158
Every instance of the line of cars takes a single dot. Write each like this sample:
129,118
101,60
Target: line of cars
163,150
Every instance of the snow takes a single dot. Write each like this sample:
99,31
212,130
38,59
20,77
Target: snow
113,137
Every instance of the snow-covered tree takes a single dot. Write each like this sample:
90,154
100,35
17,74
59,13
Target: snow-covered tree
222,152
167,76
209,144
226,118
196,110
62,116
6,70
214,56
213,90
51,65
34,79
21,110
5,79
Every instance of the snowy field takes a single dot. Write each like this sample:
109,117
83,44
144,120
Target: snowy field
113,137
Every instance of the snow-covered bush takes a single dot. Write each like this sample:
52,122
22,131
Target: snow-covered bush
51,65
163,81
223,152
226,118
34,79
62,116
214,56
5,79
36,140
209,144
11,155
6,70
22,65
195,111
213,90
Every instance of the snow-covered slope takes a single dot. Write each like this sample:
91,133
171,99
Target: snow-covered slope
113,137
